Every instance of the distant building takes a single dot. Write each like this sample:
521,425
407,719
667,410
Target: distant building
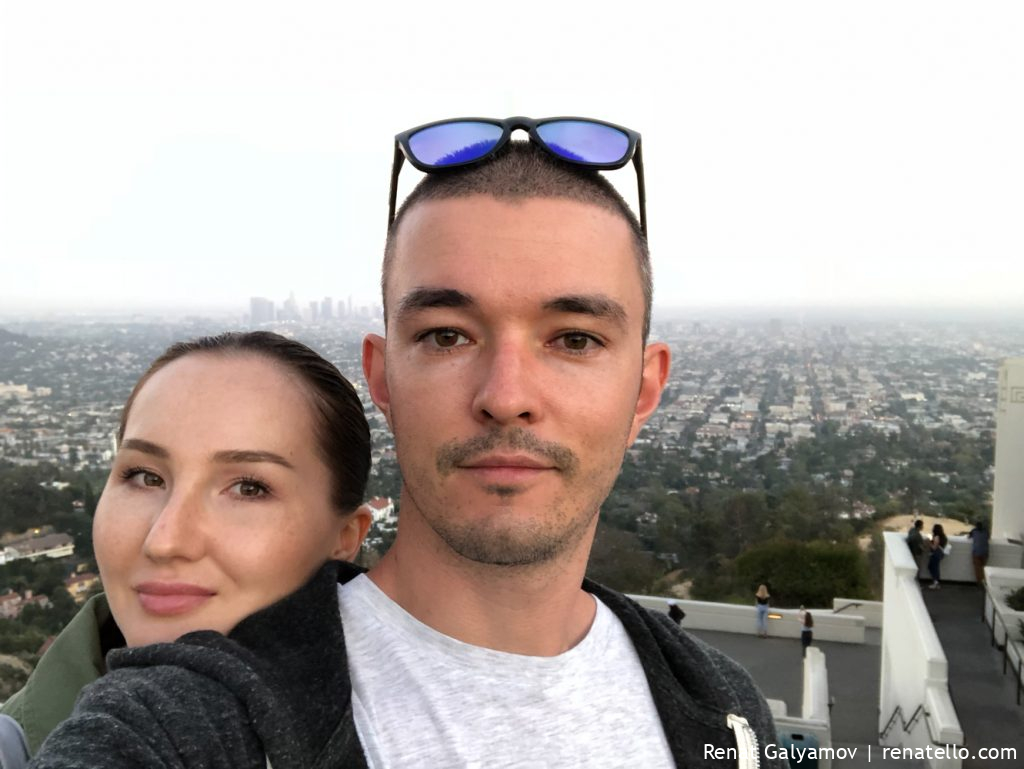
45,546
261,310
12,604
326,308
383,510
79,585
13,537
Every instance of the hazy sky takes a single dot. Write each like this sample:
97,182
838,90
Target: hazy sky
799,154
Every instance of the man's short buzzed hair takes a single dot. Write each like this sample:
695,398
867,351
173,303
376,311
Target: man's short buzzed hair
523,170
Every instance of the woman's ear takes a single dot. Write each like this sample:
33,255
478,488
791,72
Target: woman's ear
352,534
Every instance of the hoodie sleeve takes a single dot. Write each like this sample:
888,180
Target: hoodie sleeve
167,718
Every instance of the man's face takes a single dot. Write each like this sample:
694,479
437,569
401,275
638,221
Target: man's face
514,374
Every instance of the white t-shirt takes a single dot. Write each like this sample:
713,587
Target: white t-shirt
423,699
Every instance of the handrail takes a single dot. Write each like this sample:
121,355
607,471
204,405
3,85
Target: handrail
907,726
847,606
1005,647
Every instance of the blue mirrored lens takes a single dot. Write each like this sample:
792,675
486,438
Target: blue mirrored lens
449,144
584,142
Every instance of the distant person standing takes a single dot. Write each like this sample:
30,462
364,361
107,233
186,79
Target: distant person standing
807,631
762,602
979,550
676,613
938,552
915,541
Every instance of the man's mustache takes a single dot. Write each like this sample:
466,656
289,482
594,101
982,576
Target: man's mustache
455,453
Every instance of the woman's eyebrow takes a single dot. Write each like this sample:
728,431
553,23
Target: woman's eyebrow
242,455
146,447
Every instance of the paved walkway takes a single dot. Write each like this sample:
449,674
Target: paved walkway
776,665
985,698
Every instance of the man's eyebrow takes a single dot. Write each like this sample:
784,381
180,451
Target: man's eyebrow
425,298
236,456
146,447
595,305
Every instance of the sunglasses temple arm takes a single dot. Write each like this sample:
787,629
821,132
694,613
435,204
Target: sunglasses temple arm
638,163
396,166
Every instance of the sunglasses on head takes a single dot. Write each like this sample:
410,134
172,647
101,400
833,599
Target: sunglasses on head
445,144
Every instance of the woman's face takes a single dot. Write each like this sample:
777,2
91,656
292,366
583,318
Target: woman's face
217,504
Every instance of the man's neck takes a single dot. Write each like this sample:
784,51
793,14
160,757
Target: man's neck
538,610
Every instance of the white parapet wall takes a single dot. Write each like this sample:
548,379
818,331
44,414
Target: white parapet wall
814,719
1003,620
958,566
871,611
915,708
782,623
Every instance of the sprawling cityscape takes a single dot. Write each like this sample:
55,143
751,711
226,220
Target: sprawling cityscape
780,437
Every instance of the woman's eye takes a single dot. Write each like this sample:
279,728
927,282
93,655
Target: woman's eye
249,488
140,477
445,338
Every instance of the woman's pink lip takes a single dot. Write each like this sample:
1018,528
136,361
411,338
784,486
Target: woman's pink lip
170,598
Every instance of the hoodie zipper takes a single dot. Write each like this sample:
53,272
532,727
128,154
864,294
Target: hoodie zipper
746,742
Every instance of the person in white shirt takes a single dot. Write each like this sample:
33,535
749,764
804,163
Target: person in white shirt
515,372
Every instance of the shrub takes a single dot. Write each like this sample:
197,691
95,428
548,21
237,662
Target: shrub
808,573
1015,600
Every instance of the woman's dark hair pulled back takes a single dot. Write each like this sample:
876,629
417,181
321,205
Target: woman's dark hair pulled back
341,432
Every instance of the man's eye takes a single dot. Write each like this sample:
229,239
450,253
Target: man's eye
445,338
577,341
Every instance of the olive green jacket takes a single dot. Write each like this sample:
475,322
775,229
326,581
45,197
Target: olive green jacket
74,660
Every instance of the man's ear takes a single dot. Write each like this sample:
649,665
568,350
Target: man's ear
657,360
375,371
352,534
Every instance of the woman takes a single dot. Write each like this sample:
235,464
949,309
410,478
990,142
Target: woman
938,552
241,466
806,631
762,602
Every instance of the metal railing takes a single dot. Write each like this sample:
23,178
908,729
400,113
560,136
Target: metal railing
905,725
843,608
1005,646
908,726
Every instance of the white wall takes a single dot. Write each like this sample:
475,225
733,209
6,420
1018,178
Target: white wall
914,666
1008,494
732,618
998,584
814,713
958,566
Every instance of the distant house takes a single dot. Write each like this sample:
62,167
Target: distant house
79,585
47,546
10,605
383,510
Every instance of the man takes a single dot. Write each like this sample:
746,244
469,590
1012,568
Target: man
514,375
915,541
979,550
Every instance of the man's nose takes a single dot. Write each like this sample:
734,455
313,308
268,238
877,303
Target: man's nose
176,531
508,389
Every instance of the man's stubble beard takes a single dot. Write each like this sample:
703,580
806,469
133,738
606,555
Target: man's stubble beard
506,537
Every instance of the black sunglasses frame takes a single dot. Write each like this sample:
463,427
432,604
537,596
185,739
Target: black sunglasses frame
404,152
